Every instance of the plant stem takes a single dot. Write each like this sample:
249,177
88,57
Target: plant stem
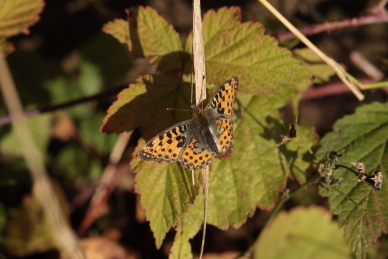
334,65
42,188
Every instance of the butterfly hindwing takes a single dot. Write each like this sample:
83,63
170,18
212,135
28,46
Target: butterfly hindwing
196,155
168,145
226,138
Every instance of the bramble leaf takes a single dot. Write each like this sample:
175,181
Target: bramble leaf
364,137
166,190
235,48
187,227
255,173
144,103
149,35
302,233
119,29
321,71
15,17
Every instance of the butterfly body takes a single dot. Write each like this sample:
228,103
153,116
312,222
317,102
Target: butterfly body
194,142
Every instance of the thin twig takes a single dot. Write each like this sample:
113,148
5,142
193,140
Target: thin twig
200,93
108,181
43,190
331,26
100,96
331,89
334,65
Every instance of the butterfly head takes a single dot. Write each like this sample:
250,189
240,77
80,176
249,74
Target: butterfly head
195,109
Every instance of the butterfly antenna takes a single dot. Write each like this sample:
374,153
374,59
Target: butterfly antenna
174,109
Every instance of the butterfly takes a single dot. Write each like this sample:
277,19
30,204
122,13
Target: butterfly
194,142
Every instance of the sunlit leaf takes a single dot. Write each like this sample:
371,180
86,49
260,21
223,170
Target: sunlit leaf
149,35
236,48
302,233
255,174
166,190
16,16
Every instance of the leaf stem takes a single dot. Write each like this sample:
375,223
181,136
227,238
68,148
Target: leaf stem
348,168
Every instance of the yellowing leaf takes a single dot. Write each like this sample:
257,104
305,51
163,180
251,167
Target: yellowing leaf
302,233
364,137
255,174
119,29
17,15
149,35
187,227
166,190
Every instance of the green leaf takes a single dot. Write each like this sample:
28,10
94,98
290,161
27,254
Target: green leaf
187,228
150,36
251,178
62,89
110,59
297,159
302,233
90,135
321,71
40,130
166,190
256,172
15,17
75,162
235,48
90,80
363,135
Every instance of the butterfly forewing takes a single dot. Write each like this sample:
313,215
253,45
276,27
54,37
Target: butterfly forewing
168,145
222,101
